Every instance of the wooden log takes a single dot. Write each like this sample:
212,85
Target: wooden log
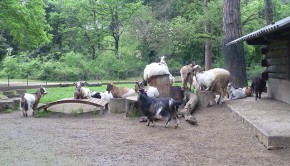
277,75
190,105
277,69
6,104
132,107
21,91
176,93
162,83
276,61
277,53
117,105
278,45
205,99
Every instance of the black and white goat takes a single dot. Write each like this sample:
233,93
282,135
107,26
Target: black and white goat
102,95
30,101
166,108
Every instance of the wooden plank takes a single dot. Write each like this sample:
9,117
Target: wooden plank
94,102
277,61
277,75
277,53
277,69
278,45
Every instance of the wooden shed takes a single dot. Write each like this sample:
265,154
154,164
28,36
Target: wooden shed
276,53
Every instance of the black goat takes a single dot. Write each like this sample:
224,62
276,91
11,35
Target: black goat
152,107
258,86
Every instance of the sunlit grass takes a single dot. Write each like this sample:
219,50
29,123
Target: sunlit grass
57,93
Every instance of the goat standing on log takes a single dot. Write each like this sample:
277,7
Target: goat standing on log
166,108
30,101
186,73
81,92
120,92
215,80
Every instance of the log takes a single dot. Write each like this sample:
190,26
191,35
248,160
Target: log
277,69
162,83
117,105
132,107
205,99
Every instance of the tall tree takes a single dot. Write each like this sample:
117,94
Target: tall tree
25,20
233,54
269,11
208,44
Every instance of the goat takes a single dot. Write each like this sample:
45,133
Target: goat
30,101
166,108
155,69
258,86
235,93
150,90
102,95
186,73
120,92
81,92
215,80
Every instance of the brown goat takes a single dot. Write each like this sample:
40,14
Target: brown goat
120,92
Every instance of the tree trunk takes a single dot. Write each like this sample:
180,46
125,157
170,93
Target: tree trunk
208,47
269,11
233,54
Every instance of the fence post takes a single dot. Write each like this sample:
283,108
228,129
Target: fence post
27,80
8,79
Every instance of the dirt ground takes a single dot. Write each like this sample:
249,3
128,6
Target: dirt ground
113,139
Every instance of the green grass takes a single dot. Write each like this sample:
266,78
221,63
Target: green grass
8,110
57,93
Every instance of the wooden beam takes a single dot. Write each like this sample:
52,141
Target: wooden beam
275,61
277,75
277,69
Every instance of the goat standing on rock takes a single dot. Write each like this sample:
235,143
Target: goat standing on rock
30,101
158,107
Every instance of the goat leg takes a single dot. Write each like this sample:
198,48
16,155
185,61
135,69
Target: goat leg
177,121
167,123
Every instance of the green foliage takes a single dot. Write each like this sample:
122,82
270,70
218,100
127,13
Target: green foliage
25,20
83,36
8,110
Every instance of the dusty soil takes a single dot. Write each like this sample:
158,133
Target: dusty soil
113,139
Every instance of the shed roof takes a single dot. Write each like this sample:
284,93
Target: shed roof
257,36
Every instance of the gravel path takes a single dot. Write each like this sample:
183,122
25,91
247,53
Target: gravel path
113,139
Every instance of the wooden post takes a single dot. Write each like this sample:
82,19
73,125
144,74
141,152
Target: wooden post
162,83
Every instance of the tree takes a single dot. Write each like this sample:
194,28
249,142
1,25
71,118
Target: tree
25,20
208,46
269,11
233,54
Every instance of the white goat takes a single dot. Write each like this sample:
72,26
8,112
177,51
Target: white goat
235,93
155,69
81,92
30,101
150,90
215,80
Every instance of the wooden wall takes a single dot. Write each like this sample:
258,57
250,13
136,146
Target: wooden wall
277,59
